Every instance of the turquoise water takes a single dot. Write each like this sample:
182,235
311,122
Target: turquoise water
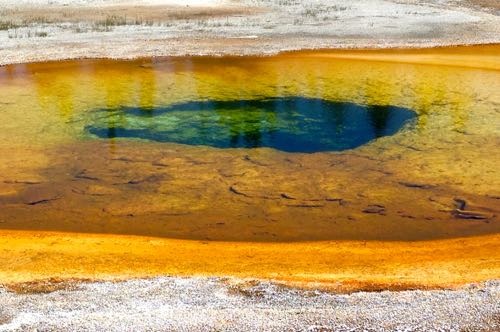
291,124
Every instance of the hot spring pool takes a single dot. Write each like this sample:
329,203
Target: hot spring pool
293,147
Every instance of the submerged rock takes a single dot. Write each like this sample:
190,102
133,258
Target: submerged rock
468,214
375,209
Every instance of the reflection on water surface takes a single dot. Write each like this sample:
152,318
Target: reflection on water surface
437,177
292,124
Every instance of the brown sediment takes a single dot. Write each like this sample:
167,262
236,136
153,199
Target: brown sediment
114,15
487,4
44,286
336,265
168,190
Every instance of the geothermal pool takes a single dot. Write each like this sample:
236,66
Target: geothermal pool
294,147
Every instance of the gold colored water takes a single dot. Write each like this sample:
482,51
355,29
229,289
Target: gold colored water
437,180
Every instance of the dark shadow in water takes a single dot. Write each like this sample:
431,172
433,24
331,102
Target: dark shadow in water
291,124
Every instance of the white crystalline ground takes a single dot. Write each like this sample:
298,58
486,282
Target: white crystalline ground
269,26
211,304
113,2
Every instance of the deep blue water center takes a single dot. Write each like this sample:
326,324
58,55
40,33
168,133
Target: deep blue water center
291,124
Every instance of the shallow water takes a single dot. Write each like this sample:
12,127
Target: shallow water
300,146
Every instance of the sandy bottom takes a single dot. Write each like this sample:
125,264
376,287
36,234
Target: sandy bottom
201,304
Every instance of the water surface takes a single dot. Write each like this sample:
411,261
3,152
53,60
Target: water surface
300,146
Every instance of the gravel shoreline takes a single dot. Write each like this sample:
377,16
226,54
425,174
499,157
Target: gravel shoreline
213,304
